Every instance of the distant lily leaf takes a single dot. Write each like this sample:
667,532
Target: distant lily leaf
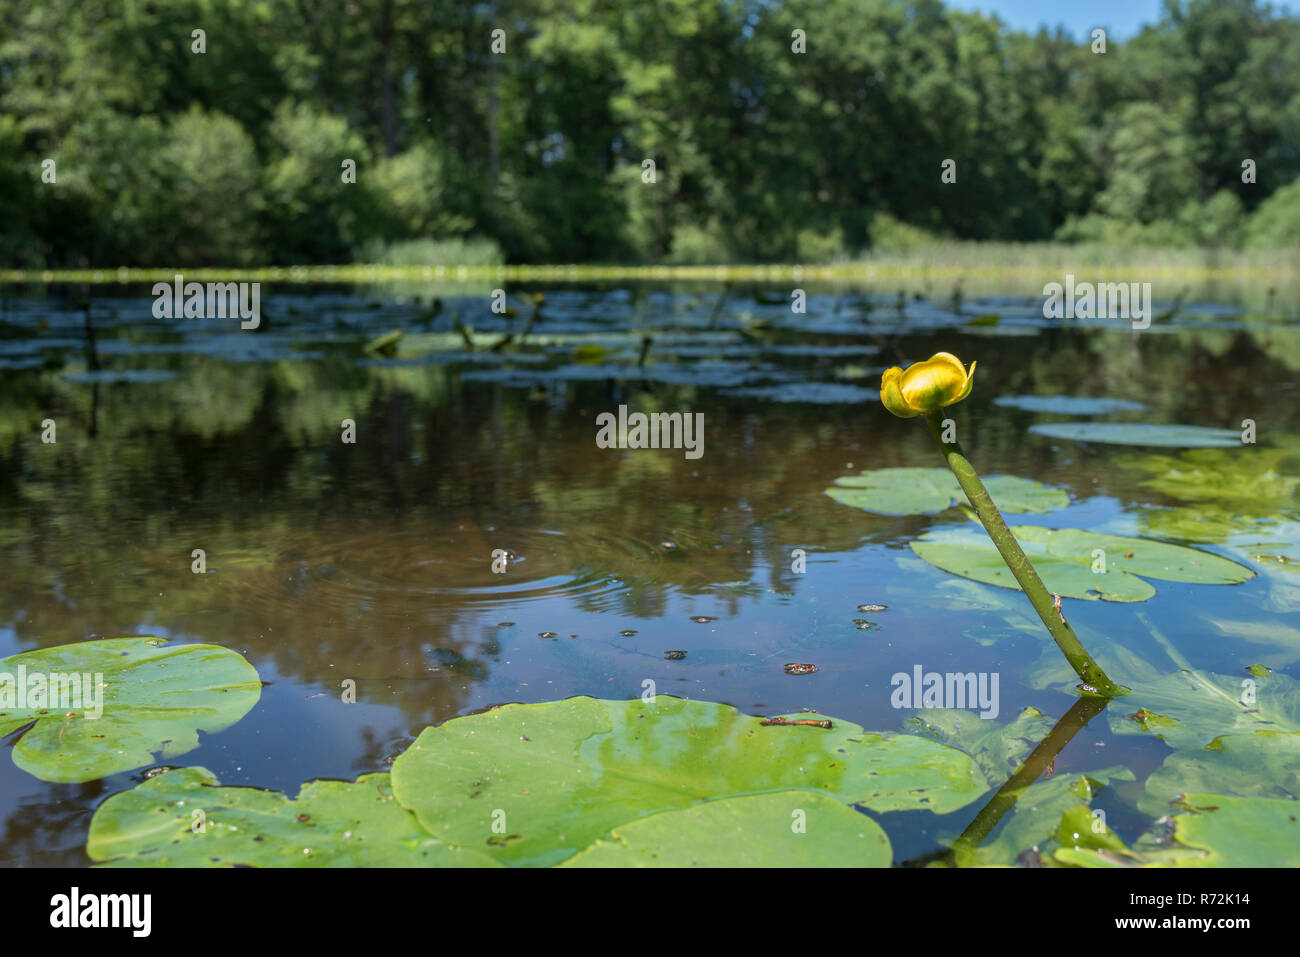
567,772
155,699
1124,433
184,818
1070,565
751,831
811,393
1214,830
1068,404
915,491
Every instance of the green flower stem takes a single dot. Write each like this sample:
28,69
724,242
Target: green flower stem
1016,560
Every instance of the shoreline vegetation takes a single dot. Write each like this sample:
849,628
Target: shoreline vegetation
954,261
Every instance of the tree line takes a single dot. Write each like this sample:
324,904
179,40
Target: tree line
220,132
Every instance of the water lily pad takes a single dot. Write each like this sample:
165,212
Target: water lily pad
329,824
121,376
812,393
155,699
533,784
998,748
1214,830
1036,817
1070,565
781,829
913,491
1068,404
1258,764
1135,433
1257,481
1189,709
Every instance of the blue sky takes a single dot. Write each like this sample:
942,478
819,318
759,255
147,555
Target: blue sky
1121,18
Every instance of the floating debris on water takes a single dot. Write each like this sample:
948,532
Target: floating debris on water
794,668
872,607
674,654
864,625
702,619
628,632
547,634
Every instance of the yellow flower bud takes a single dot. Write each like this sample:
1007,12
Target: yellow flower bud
926,386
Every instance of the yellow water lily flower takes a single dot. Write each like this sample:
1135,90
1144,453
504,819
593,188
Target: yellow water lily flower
926,386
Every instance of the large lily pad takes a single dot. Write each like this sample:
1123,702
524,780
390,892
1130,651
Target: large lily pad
329,824
1065,560
913,491
1126,433
1215,830
780,829
156,698
533,784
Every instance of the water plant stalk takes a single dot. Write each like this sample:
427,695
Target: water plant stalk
1082,662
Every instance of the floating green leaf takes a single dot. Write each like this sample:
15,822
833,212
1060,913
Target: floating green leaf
998,748
562,774
1070,565
1079,827
780,829
1215,830
184,818
1068,404
1125,433
1190,709
1036,817
1253,480
1258,764
913,491
155,699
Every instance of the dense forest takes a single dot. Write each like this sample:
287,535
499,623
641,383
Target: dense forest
219,132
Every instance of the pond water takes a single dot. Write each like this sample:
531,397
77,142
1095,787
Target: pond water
373,560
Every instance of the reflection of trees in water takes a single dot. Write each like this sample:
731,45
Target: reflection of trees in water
49,829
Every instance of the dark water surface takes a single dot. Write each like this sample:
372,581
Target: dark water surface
373,561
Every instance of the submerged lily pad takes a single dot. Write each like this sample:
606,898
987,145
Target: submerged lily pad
1214,830
155,699
1257,764
1125,433
1066,558
1192,708
554,777
781,829
913,491
1036,817
184,818
1068,404
998,748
